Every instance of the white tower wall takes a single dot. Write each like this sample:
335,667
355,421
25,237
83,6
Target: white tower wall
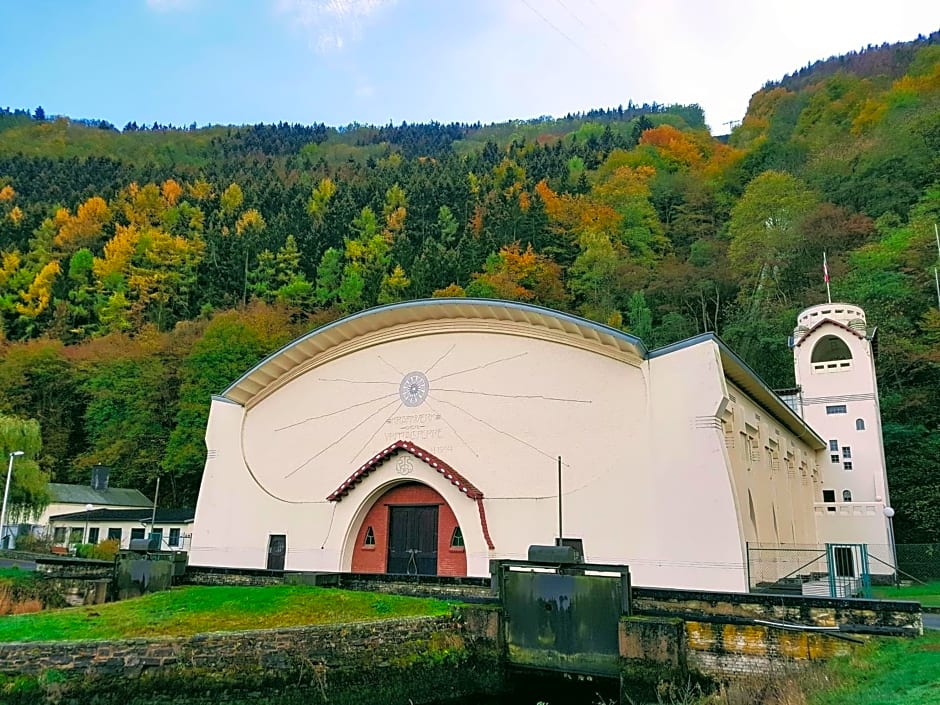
835,369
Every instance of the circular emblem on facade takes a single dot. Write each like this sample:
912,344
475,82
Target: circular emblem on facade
413,389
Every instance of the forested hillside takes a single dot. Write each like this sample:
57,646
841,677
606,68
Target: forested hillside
144,269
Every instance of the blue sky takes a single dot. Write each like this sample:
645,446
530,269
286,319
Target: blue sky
375,61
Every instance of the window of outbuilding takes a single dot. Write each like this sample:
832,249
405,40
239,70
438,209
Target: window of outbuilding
58,536
137,534
114,533
93,533
174,539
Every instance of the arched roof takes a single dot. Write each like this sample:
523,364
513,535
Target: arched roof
293,356
819,324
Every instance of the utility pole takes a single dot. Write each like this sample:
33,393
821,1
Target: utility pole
560,533
153,515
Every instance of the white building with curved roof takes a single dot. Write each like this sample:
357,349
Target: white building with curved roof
424,437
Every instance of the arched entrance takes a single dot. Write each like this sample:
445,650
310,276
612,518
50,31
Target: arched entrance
410,529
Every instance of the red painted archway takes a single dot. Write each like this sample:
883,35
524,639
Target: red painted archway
370,554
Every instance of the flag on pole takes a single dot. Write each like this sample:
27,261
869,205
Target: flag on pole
825,269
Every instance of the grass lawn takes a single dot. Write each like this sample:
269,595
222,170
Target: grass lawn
927,595
893,671
190,610
8,576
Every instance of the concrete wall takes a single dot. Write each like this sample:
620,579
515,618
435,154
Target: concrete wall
641,442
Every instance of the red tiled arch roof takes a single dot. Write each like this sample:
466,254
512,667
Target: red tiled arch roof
818,324
455,478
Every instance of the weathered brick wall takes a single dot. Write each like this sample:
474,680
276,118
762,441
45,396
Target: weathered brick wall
740,649
720,649
373,558
728,634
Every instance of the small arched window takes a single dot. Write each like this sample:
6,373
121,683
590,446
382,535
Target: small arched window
846,495
859,424
456,539
829,349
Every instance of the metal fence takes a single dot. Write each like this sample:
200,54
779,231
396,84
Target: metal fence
918,561
832,570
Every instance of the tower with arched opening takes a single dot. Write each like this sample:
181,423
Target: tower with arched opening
833,354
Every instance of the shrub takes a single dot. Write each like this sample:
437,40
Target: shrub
33,544
106,550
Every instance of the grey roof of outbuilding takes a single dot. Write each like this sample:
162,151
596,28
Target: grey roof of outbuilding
164,516
61,493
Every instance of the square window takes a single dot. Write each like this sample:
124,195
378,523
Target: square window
834,457
58,536
847,465
829,495
137,534
833,446
114,533
846,452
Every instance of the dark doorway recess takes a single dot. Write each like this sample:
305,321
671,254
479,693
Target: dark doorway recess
412,540
277,550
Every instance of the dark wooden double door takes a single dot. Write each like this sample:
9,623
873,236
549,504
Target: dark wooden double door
412,540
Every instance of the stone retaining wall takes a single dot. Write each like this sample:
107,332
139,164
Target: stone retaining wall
850,615
335,663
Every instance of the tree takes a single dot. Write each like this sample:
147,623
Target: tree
28,494
639,317
765,230
248,227
231,343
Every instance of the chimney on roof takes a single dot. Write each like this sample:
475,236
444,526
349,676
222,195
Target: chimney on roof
99,477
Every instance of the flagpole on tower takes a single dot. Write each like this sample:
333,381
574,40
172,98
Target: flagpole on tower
826,277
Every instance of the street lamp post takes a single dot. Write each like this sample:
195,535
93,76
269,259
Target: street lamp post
88,508
6,494
889,515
